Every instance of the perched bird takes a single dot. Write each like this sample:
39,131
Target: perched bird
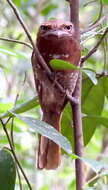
56,39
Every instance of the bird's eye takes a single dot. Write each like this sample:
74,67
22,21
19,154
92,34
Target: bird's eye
44,28
68,27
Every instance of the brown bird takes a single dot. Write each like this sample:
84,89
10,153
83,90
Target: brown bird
56,39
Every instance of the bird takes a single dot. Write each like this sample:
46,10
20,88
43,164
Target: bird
56,39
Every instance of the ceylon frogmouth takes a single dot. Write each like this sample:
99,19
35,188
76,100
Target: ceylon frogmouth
56,39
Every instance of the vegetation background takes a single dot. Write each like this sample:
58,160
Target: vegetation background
17,87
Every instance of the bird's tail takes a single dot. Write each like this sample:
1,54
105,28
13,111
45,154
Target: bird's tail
49,152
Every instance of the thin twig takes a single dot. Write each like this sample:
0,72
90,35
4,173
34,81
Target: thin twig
14,154
95,25
94,49
36,51
86,4
19,178
16,41
21,22
100,14
92,179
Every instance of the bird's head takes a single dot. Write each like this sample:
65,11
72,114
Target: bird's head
56,28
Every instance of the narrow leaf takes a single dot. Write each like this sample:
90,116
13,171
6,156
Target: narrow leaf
13,53
22,107
59,64
48,131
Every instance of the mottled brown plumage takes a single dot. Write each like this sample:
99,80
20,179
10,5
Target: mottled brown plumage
55,40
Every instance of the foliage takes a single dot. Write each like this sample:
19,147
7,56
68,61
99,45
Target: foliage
17,92
7,170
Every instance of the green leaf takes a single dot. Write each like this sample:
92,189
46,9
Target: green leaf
66,124
91,74
5,105
105,84
89,127
94,103
59,64
7,170
99,120
86,88
22,108
13,53
105,2
17,2
48,131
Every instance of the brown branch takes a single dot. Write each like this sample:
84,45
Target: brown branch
16,41
95,48
74,15
86,4
76,108
78,135
36,51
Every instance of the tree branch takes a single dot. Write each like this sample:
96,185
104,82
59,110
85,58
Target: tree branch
76,108
16,41
74,16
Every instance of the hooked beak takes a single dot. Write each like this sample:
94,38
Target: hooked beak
56,33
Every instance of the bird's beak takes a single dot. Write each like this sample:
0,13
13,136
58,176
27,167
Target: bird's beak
56,33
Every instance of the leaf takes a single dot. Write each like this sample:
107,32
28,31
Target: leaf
17,2
5,105
48,131
22,108
95,165
66,124
94,103
105,85
89,127
7,170
13,53
99,120
59,64
105,2
91,74
86,88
